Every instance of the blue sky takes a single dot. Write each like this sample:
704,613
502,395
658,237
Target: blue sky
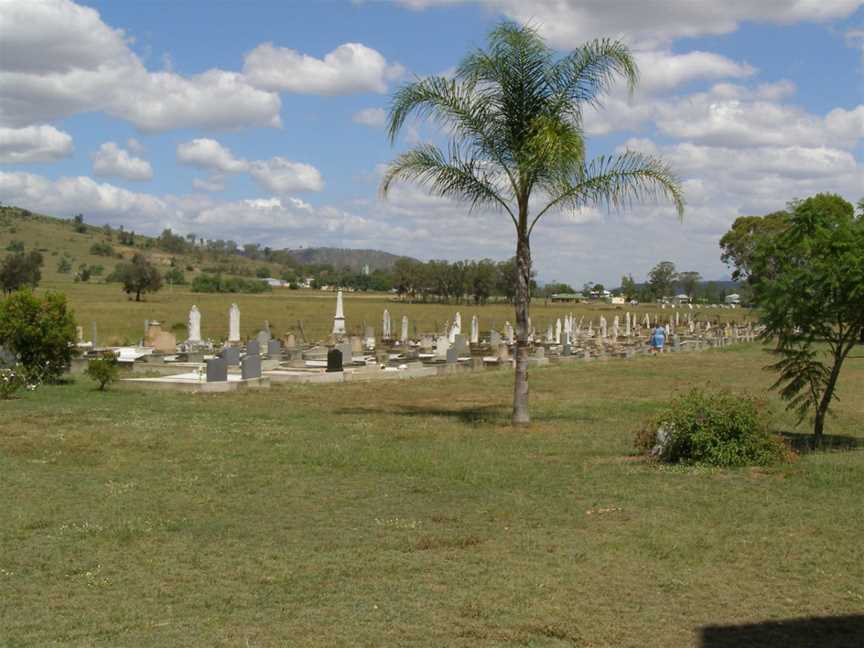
261,121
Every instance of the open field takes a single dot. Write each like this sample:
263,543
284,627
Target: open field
121,321
350,515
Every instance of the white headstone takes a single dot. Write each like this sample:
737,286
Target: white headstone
602,327
508,331
404,336
339,319
475,330
627,324
385,326
194,324
234,323
558,331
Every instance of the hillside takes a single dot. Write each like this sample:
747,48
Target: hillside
97,246
341,258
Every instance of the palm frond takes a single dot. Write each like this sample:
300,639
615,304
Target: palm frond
590,71
452,176
615,181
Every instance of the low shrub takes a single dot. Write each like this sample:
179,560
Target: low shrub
205,283
103,370
13,379
714,428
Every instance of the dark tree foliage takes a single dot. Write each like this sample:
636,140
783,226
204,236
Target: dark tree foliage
808,281
739,244
21,270
138,276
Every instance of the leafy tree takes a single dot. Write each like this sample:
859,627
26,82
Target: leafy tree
514,111
138,276
64,265
83,273
688,281
21,270
556,288
102,249
628,287
175,277
482,280
661,278
171,242
809,283
78,224
40,330
15,246
739,243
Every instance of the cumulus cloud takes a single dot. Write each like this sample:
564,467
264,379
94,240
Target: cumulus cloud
33,144
567,23
111,160
373,117
351,67
281,176
58,58
213,182
206,153
662,70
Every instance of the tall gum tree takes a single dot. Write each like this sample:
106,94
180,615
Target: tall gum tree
514,112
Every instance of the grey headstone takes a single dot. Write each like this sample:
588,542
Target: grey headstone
334,360
250,367
452,356
567,350
347,352
494,339
274,348
263,339
460,345
253,348
231,355
217,370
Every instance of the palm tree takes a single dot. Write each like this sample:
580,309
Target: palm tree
514,112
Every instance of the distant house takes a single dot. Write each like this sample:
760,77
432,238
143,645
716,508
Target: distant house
682,299
275,283
617,299
733,299
566,298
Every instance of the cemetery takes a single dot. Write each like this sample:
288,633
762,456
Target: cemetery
397,350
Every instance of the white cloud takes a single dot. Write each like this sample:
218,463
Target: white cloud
33,144
567,23
111,160
663,70
135,146
206,153
213,182
58,59
350,68
281,176
373,117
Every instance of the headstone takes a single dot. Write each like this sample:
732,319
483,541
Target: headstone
460,345
540,353
503,352
452,356
475,330
567,350
263,338
602,327
231,355
274,348
386,333
356,345
426,343
550,334
194,326
253,348
290,341
217,370
160,340
403,337
347,352
369,338
627,324
250,367
441,346
234,323
494,338
558,331
334,360
339,318
79,333
508,330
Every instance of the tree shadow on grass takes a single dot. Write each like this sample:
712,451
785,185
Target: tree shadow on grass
471,415
804,443
812,632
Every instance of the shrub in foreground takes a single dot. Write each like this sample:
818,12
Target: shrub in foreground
103,370
13,379
714,428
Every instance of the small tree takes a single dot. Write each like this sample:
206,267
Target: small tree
103,369
139,276
64,265
628,287
808,281
689,281
21,270
40,331
78,224
661,278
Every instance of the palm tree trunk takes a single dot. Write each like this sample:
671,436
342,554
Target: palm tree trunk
522,300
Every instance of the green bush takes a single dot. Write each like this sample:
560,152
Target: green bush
14,378
102,249
205,283
40,331
103,370
718,429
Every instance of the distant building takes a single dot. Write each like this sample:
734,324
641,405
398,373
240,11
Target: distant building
682,299
366,271
733,299
275,283
617,299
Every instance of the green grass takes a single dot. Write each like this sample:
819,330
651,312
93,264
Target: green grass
351,515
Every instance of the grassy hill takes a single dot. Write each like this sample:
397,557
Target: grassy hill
56,238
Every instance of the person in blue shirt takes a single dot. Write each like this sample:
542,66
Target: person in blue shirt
658,339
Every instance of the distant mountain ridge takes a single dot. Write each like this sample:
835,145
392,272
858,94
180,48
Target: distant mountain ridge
345,257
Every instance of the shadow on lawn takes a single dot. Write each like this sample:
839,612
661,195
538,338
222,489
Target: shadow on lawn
471,415
804,443
813,632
